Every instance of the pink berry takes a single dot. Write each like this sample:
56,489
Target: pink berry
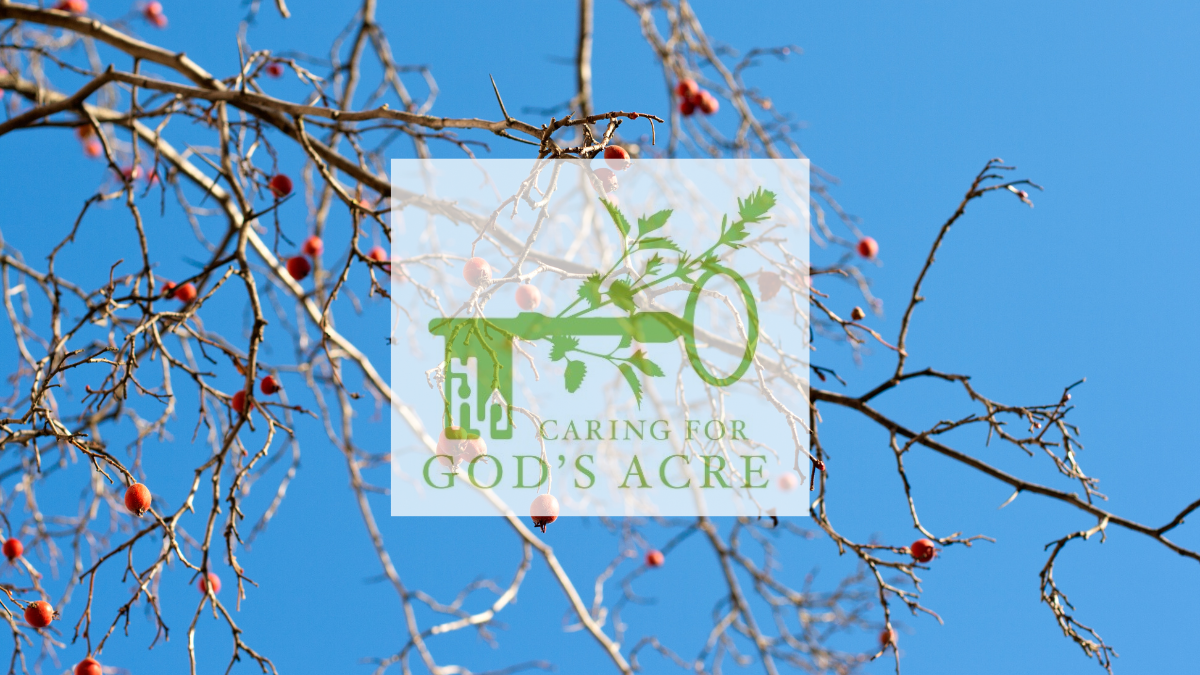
298,267
769,284
528,297
788,482
207,581
617,158
707,103
313,246
543,510
477,272
867,247
280,186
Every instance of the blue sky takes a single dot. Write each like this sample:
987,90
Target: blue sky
903,103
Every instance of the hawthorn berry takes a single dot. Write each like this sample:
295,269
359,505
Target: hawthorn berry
922,550
707,103
84,132
13,549
89,666
137,499
209,580
686,107
269,385
687,89
769,284
39,614
867,247
240,404
154,14
72,6
528,297
543,510
655,559
887,637
298,267
93,149
185,293
477,272
617,158
857,314
378,254
274,70
608,179
313,246
453,452
788,482
280,185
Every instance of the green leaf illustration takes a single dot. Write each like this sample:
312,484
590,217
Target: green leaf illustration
657,242
622,295
634,384
652,265
618,217
562,345
575,372
648,224
645,365
626,341
754,208
590,290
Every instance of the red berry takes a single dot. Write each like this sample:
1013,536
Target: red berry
617,158
280,186
39,614
707,103
93,149
686,107
528,297
788,482
89,666
274,70
137,499
378,254
313,246
185,293
477,272
154,14
769,284
922,550
543,510
655,559
72,6
867,247
209,579
887,637
153,8
13,549
240,404
298,267
608,179
269,385
687,89
455,452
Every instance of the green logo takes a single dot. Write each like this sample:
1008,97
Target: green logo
490,341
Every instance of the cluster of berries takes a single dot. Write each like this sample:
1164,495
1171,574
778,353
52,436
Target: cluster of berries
693,98
268,386
478,273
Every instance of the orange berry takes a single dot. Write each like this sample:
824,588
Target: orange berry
707,103
185,293
13,549
137,499
89,666
867,247
378,254
887,637
240,404
39,614
655,559
93,149
922,550
617,158
313,246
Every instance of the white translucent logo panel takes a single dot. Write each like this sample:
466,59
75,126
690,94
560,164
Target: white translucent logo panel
631,340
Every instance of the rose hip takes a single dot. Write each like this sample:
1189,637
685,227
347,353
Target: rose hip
922,550
867,247
13,549
313,246
655,559
477,272
240,404
269,385
39,614
207,581
543,510
137,499
89,666
528,297
617,158
280,186
298,267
